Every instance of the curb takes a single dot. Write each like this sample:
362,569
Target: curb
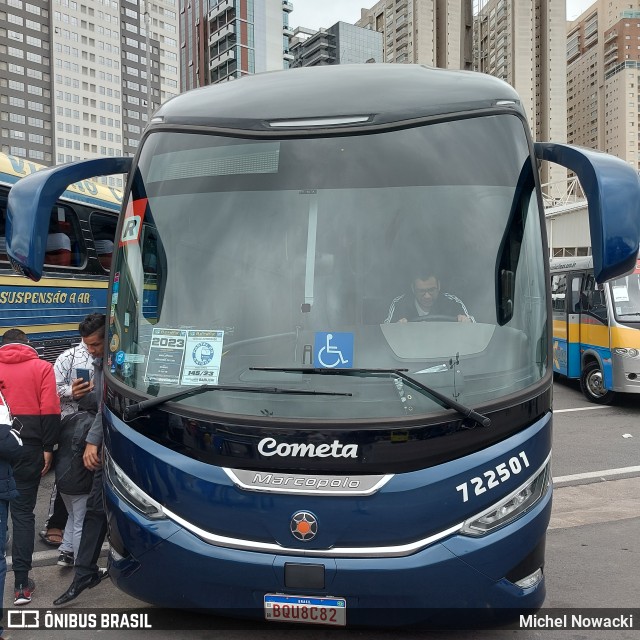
582,479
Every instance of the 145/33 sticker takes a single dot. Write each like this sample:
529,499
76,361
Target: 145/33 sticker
493,477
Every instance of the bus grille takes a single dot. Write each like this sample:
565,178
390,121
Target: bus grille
50,349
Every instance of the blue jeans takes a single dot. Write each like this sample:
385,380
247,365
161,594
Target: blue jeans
94,530
4,513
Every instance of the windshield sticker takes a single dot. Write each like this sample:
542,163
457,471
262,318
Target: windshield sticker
166,356
132,223
202,357
333,350
136,358
114,344
620,293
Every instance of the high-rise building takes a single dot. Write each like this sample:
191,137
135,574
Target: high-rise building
80,79
433,32
194,36
226,39
603,71
342,43
523,42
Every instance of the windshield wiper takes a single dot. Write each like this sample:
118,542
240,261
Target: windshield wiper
136,408
448,403
628,314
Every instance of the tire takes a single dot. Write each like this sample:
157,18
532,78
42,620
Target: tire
592,384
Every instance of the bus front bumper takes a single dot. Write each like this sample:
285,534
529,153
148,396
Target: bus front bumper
182,571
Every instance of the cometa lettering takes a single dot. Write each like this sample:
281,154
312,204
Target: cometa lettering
270,447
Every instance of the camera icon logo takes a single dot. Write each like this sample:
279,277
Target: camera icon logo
23,619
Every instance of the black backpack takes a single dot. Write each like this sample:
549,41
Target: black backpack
72,477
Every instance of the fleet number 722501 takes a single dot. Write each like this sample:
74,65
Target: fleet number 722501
492,478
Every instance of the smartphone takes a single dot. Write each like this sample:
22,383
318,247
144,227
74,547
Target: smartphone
84,374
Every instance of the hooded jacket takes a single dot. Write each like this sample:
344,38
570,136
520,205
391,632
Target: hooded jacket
29,387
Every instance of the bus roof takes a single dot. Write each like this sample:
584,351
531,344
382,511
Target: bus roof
383,93
88,192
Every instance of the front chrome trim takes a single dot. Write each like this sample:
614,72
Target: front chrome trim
339,552
309,484
319,122
394,551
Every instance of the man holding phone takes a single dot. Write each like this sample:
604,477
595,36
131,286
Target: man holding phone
74,367
74,379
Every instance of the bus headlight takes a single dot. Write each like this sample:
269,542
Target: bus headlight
511,507
621,351
130,492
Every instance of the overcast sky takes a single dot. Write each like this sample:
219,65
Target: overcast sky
325,13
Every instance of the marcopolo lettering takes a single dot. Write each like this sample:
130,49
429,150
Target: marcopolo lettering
270,447
307,482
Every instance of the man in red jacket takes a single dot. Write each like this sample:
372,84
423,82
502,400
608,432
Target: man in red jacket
29,386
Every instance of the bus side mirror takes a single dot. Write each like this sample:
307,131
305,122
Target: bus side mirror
29,208
612,188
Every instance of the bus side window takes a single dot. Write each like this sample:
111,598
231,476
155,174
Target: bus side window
559,292
103,229
595,299
150,251
3,239
576,301
64,246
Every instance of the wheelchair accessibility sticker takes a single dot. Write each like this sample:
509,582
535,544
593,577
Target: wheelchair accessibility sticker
333,350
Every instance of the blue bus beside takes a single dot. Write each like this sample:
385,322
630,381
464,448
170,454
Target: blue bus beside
274,447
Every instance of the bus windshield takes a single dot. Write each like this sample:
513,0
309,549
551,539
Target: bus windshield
243,254
625,297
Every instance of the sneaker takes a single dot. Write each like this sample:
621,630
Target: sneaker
23,594
102,572
66,559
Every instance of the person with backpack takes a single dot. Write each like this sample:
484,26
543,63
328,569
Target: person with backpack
29,386
73,479
87,574
78,407
10,450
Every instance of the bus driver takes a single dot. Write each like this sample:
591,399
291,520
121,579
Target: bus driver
426,299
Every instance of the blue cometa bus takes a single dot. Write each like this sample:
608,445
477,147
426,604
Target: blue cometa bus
274,447
77,259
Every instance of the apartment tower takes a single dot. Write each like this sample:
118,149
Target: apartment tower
81,79
437,33
523,42
603,74
343,43
226,39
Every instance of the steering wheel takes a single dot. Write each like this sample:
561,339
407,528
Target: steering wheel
434,318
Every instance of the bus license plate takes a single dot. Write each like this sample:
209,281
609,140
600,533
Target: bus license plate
309,610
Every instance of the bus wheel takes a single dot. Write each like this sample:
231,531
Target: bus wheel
592,384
